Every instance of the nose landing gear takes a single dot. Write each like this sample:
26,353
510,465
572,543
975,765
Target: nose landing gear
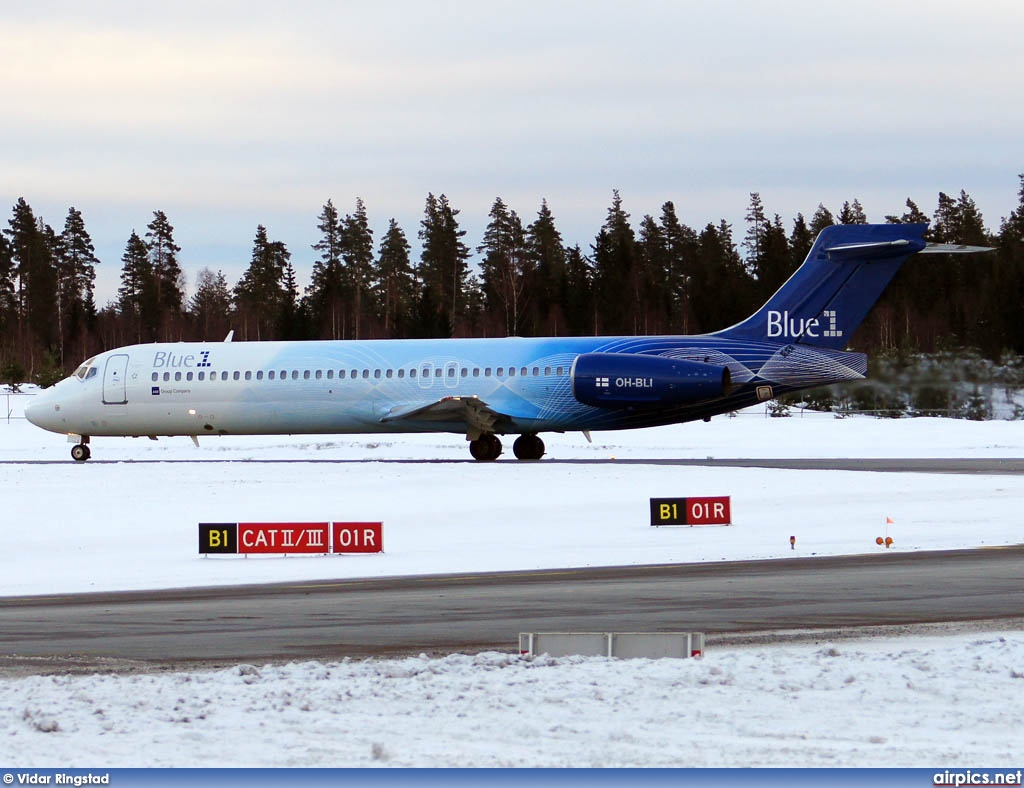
80,452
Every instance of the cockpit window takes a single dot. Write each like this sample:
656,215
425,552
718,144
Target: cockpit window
86,370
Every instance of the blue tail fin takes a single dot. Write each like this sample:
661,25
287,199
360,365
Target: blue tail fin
844,274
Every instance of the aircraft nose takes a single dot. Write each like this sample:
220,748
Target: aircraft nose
44,412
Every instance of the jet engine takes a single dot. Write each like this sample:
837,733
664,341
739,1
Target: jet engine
623,380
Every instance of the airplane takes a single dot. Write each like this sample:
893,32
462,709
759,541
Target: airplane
486,388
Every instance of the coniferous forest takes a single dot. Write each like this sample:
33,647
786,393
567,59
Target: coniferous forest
656,275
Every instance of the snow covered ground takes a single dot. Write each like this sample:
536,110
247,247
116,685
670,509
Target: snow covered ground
941,697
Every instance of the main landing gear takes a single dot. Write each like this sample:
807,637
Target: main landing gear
487,447
528,447
80,451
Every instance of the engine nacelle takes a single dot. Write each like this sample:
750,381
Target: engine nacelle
622,380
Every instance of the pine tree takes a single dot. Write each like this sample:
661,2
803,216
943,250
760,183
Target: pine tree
76,276
443,269
580,311
357,252
680,254
261,294
546,253
1010,287
800,240
913,215
211,305
31,245
395,284
330,289
757,227
852,213
8,314
505,268
650,276
137,295
614,269
163,257
723,290
822,218
291,318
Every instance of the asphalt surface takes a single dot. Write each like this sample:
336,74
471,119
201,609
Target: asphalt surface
956,465
445,614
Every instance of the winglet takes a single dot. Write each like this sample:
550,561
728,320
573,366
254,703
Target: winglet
230,335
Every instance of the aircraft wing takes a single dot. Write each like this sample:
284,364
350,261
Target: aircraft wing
476,414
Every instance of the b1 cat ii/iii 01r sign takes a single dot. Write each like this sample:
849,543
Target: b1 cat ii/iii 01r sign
290,538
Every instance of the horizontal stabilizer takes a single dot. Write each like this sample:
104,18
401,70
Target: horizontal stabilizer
955,249
876,250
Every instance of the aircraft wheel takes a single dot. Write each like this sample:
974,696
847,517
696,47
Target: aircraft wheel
485,448
528,447
80,452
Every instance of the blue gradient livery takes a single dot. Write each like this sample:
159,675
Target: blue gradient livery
486,388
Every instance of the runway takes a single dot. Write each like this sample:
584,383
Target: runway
957,465
452,613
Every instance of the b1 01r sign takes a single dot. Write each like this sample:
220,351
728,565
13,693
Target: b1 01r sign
691,511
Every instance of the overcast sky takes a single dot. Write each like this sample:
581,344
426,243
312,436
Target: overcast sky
229,115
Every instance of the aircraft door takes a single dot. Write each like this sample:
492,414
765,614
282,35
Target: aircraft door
115,376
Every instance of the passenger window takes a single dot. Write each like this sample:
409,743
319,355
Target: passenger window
156,376
437,372
487,372
259,374
202,376
270,375
559,372
177,376
188,376
236,375
341,374
523,371
451,372
511,372
366,374
376,374
412,373
476,372
305,375
536,371
389,373
547,370
330,374
167,376
401,373
501,372
465,372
